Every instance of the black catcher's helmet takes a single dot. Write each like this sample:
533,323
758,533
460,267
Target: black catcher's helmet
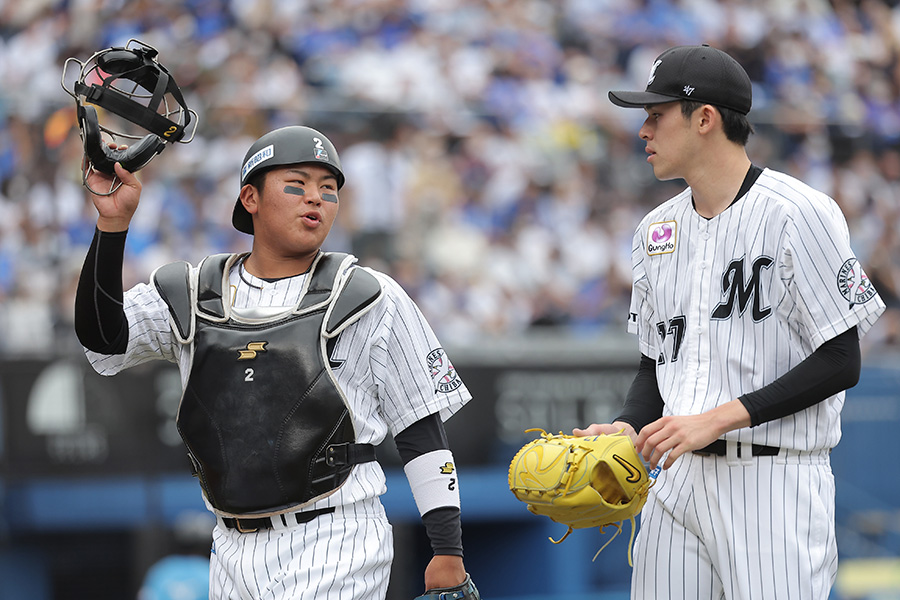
285,146
128,82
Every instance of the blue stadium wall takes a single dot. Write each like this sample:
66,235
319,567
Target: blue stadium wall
95,486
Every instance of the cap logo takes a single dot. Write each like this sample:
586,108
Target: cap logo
263,155
688,90
653,71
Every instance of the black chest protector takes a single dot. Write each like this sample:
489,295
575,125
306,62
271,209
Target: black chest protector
264,421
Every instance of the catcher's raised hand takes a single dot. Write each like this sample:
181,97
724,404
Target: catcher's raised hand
116,209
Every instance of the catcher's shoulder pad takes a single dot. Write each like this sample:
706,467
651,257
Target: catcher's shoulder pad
209,284
172,281
464,591
360,292
186,292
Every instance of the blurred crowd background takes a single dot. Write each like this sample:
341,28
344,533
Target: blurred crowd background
486,169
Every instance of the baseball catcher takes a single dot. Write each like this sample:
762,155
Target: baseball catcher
581,481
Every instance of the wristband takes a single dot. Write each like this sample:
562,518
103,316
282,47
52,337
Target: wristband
433,480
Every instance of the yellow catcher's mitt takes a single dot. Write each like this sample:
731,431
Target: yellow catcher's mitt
581,481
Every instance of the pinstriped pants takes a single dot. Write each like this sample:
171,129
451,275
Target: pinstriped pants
739,529
345,555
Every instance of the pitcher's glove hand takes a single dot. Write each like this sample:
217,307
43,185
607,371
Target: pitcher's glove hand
464,591
581,482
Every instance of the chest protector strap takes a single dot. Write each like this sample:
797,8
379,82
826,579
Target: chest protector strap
265,423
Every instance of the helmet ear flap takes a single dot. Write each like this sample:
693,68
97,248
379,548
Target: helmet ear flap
103,158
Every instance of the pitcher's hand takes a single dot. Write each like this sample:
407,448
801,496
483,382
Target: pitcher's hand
607,429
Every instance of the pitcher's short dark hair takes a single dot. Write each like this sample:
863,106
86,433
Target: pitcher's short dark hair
736,126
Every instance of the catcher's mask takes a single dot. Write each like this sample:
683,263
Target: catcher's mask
128,82
290,145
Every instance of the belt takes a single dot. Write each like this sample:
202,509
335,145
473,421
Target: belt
719,448
255,524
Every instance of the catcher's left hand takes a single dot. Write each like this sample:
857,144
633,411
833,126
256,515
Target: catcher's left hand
464,591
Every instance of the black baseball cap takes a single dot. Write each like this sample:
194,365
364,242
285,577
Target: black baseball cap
700,73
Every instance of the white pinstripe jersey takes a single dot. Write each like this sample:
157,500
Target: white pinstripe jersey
730,304
393,371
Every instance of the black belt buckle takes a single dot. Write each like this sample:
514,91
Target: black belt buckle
248,525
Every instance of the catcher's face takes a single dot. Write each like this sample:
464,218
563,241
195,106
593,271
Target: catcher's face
295,210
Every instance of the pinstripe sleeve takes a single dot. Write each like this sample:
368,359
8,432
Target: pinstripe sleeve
149,333
641,311
829,283
414,373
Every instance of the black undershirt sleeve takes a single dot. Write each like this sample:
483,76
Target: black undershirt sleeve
100,322
832,368
643,402
442,525
423,436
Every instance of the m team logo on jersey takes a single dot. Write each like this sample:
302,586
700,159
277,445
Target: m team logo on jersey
854,284
445,377
661,238
740,294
